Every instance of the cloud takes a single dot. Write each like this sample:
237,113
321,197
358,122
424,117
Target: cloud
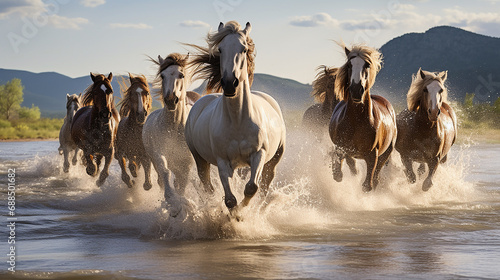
67,23
314,20
486,23
21,7
194,24
92,3
130,25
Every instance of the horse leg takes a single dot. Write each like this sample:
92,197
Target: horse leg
270,169
257,162
352,165
132,166
421,169
91,167
98,159
146,162
433,164
408,164
337,159
181,173
382,160
226,172
203,168
105,171
444,159
125,177
165,179
371,164
75,157
66,161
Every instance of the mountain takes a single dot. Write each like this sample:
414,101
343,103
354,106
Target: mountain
48,90
472,61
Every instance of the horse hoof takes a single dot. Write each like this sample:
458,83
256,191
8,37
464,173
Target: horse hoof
66,169
174,210
91,170
427,185
337,176
147,186
231,202
250,189
367,189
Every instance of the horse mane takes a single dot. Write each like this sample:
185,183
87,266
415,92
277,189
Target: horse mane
206,62
88,93
171,59
324,84
416,92
370,55
126,100
73,98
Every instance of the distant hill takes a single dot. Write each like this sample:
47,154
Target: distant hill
472,61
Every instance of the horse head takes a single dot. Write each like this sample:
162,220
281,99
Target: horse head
357,75
434,92
72,104
173,79
139,98
233,49
102,95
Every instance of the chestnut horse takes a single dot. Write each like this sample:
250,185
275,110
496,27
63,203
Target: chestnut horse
94,126
135,106
362,125
317,117
239,127
428,128
66,143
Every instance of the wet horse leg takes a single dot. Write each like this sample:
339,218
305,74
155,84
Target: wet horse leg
75,157
408,164
382,159
66,161
421,169
146,162
123,161
257,162
371,164
337,159
352,165
270,169
165,179
433,164
132,166
89,160
105,171
203,168
226,172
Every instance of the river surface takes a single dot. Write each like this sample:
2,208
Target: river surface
308,227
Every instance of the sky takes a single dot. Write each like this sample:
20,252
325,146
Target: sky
292,38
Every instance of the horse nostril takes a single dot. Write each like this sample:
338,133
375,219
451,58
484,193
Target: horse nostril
235,83
439,112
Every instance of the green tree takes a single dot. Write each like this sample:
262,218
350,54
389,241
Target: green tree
11,97
32,113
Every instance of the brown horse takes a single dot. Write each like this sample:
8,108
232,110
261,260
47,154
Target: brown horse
135,106
362,125
428,128
66,143
94,125
317,117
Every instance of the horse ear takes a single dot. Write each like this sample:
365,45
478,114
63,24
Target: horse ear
443,75
110,76
422,75
347,51
247,29
130,76
92,76
67,96
187,57
221,25
160,60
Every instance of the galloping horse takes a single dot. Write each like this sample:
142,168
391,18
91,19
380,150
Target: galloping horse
428,128
66,143
94,126
362,125
135,106
317,117
237,128
163,132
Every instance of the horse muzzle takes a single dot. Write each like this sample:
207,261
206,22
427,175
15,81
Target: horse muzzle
229,88
433,114
356,92
171,103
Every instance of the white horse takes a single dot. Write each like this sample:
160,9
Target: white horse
163,132
237,128
66,143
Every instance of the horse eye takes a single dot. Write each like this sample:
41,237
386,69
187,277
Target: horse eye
425,90
181,76
245,51
441,91
367,65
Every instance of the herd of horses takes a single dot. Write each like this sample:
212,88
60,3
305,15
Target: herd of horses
243,128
